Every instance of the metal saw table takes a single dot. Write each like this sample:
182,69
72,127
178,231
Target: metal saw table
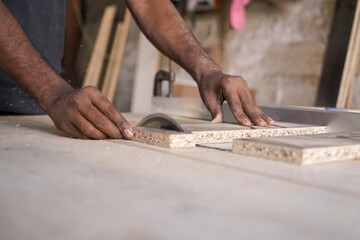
54,187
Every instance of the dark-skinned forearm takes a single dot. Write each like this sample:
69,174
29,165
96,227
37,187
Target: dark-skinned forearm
23,63
163,25
82,113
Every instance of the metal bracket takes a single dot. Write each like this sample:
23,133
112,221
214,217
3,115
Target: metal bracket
161,76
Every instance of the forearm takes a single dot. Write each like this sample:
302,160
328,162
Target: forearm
162,24
23,63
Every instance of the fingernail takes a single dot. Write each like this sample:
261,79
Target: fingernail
262,121
128,133
247,121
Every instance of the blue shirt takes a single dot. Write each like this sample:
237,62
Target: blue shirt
43,21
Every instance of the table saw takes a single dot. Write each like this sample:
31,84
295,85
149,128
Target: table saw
55,187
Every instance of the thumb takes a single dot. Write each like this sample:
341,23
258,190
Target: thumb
214,106
218,117
212,102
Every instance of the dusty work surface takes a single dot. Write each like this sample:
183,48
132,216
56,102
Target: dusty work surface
53,187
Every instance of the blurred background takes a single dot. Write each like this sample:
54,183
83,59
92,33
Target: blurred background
282,52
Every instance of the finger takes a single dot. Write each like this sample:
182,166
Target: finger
218,118
105,106
236,108
75,133
214,105
72,131
100,121
253,111
267,119
259,117
86,128
216,111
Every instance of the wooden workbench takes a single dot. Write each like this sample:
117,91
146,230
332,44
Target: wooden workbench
54,187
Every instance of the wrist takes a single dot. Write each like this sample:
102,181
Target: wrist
50,93
210,74
208,70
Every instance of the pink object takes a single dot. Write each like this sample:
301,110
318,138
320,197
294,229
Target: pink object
237,14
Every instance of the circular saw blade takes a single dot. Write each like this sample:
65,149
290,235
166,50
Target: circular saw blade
161,121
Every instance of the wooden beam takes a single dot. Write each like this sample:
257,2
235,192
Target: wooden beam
351,64
337,46
302,150
97,56
116,56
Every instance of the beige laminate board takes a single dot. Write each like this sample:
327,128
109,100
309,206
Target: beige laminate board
206,132
308,149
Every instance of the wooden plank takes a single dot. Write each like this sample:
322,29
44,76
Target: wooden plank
116,57
196,133
97,57
180,90
303,150
113,66
336,49
351,64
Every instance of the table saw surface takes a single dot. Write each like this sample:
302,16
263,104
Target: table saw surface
54,187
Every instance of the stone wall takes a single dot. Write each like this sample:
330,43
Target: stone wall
280,52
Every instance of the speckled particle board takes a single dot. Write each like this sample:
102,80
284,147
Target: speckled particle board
206,132
308,149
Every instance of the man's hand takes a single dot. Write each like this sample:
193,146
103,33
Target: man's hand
216,87
86,113
83,113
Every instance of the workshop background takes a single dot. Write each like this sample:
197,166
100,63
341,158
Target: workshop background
280,52
182,177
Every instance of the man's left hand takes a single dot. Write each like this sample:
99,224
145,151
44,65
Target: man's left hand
216,87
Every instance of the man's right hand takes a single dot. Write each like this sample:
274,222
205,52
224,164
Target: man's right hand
87,114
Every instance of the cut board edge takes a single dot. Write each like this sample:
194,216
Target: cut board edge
296,155
172,139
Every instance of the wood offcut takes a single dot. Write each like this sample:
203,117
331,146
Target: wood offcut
206,132
303,150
